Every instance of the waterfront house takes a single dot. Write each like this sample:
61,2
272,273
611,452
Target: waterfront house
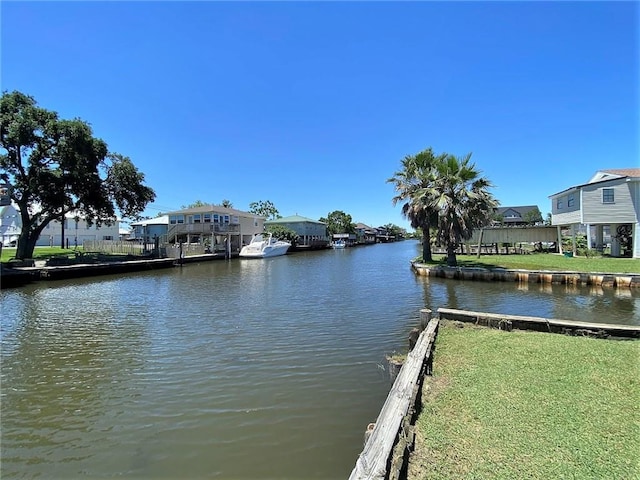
312,234
148,230
384,235
518,216
365,233
76,229
610,200
213,226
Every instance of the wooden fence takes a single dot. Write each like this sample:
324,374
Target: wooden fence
390,439
117,247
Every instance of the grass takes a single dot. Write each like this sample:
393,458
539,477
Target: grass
549,261
529,405
40,253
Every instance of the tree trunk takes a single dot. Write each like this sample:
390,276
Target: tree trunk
28,237
452,260
426,245
25,246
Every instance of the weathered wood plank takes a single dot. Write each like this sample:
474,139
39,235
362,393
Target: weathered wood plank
372,462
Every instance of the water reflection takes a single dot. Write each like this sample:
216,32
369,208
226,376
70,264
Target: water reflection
568,302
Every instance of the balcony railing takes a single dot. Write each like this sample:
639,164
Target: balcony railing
201,228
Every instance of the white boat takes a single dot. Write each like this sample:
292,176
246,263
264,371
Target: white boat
264,245
339,244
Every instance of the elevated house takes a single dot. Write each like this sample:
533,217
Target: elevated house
518,216
383,235
213,226
312,234
365,233
610,200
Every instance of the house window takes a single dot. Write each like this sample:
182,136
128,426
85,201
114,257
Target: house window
226,219
216,218
607,195
207,218
197,218
571,200
559,204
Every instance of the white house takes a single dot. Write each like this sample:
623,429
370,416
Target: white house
76,229
610,199
10,224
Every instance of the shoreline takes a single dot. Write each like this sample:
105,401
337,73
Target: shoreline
613,280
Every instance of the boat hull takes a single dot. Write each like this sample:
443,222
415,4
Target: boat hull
266,252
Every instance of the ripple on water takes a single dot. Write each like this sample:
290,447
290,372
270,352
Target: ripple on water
188,372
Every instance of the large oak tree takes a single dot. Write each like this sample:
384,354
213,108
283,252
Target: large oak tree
55,166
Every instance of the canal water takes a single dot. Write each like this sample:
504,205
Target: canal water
229,369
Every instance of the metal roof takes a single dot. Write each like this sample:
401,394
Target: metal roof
293,219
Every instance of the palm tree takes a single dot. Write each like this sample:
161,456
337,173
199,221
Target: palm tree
412,184
461,199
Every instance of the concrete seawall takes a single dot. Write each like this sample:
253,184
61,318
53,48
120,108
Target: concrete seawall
39,270
618,280
38,273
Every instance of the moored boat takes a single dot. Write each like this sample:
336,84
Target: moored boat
263,245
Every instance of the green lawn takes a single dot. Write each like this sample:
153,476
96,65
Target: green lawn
40,252
548,261
506,405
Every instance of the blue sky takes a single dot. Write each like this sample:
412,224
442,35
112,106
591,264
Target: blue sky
312,105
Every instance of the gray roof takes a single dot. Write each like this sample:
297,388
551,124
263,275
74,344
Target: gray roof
522,211
619,172
293,219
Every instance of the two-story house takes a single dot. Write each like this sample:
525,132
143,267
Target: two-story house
75,229
213,226
518,216
610,199
365,233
